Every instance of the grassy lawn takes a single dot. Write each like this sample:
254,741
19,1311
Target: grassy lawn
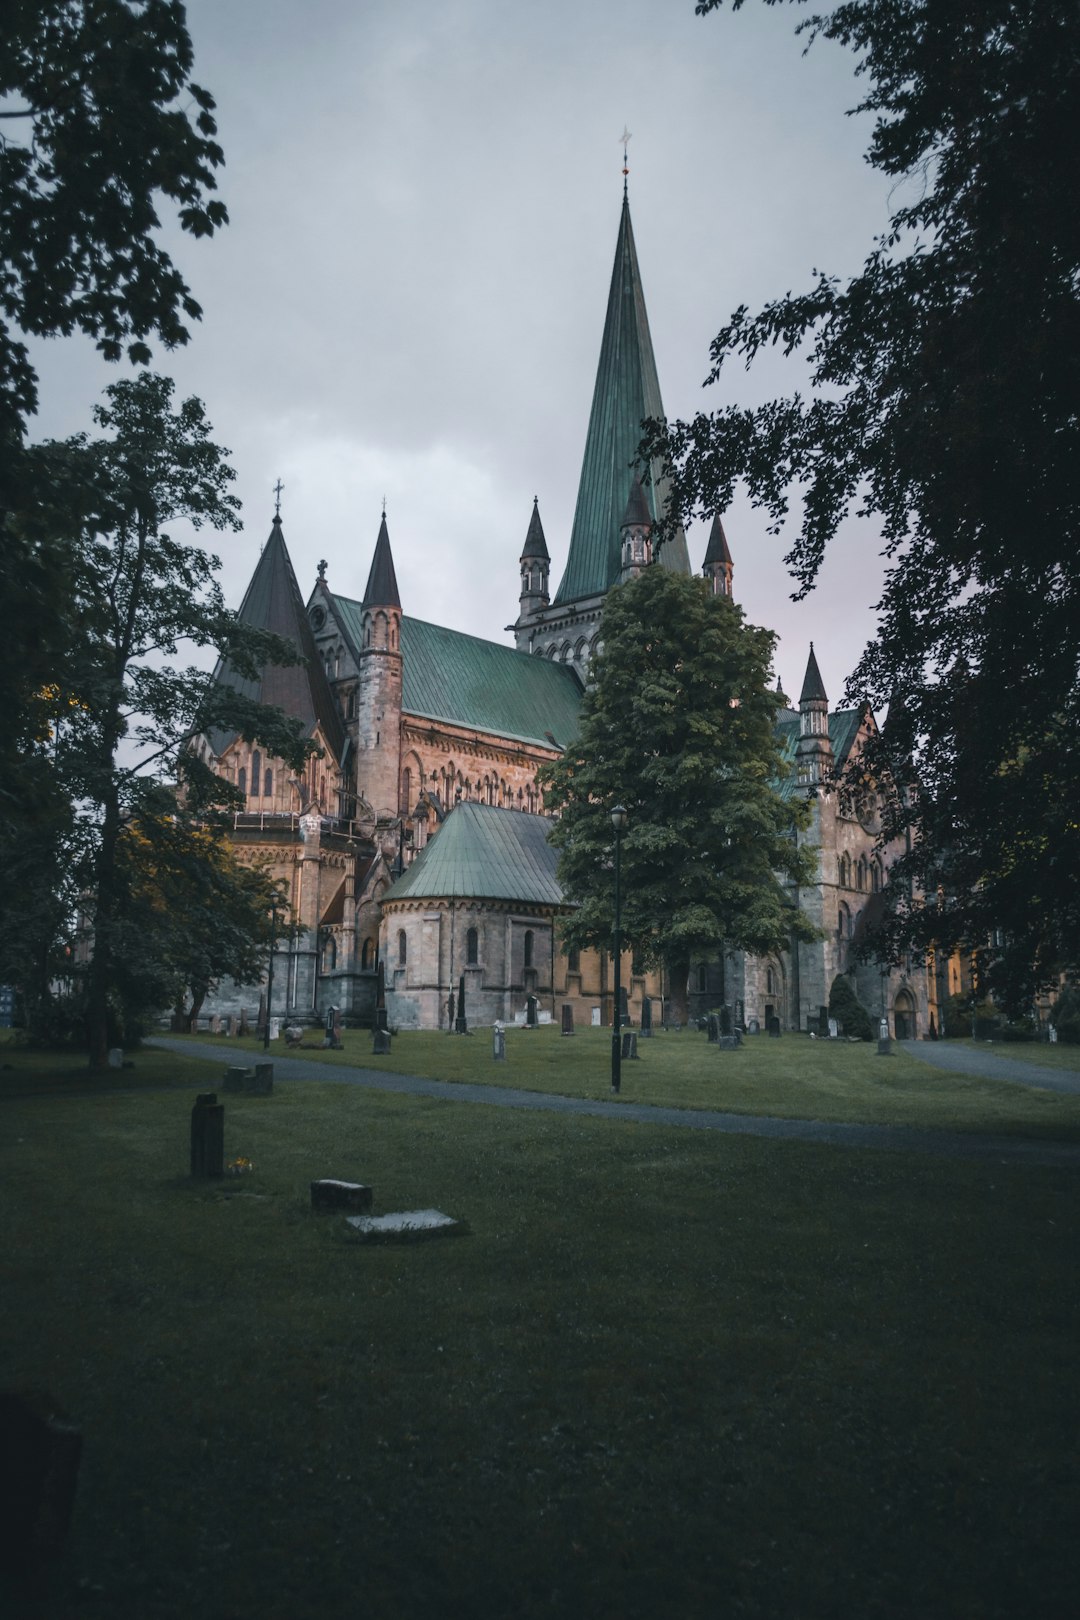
794,1078
1042,1053
667,1373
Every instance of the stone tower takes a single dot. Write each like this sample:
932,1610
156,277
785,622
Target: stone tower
636,534
718,567
535,564
813,752
378,708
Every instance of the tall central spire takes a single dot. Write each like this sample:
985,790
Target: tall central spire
627,391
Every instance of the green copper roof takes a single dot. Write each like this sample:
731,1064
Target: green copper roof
627,391
843,729
483,685
480,853
273,602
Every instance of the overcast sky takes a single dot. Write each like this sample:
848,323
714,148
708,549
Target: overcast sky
409,299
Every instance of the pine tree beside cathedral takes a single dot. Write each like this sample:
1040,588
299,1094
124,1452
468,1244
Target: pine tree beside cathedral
679,727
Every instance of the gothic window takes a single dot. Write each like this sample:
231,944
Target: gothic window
367,954
770,982
352,706
268,783
256,772
402,947
861,875
845,872
843,923
406,790
528,947
329,960
573,960
875,876
241,780
472,948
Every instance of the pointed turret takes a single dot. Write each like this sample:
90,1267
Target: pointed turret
535,564
814,753
627,392
635,533
273,602
378,709
381,589
718,567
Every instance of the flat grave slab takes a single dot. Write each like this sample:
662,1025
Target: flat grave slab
405,1226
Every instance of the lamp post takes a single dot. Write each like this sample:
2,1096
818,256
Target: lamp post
618,821
270,977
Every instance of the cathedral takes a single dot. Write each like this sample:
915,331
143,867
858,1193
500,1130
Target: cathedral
416,838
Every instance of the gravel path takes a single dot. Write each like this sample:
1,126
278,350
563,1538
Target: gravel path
897,1138
992,1065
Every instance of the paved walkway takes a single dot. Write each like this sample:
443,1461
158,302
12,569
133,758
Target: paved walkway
897,1138
994,1065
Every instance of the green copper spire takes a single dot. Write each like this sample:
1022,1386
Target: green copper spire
627,391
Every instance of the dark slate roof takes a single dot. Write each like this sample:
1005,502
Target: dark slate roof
481,853
483,685
627,391
843,729
813,688
273,602
535,544
382,586
717,549
637,507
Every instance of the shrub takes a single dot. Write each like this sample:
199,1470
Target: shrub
848,1010
1066,1015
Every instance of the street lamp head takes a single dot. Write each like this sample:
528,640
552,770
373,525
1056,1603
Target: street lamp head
619,818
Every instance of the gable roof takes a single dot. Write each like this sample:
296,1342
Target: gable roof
627,391
482,685
481,853
273,602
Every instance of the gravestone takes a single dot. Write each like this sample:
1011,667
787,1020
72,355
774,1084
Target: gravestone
461,1025
729,1043
380,1000
530,1012
774,1027
207,1137
567,1018
646,1017
380,1042
330,1197
257,1081
725,1020
116,1057
884,1045
834,1029
275,1028
712,1024
823,1021
498,1043
215,1024
629,1044
332,1028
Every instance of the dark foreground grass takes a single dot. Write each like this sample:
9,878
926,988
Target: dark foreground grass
793,1078
668,1373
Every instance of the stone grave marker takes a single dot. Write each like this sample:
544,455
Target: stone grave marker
629,1044
567,1018
40,1450
713,1026
461,1025
380,1042
330,1197
530,1012
380,1000
207,1137
646,1018
498,1043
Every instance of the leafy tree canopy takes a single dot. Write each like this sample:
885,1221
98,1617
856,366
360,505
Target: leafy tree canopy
99,118
945,407
678,726
121,708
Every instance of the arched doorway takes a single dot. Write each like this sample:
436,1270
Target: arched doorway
904,1015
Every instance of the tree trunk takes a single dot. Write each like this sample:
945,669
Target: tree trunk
97,1011
678,974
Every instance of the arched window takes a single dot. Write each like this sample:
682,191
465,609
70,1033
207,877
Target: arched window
329,959
875,876
402,947
861,875
256,772
241,780
528,947
367,954
406,790
843,923
472,948
770,982
573,960
268,783
845,872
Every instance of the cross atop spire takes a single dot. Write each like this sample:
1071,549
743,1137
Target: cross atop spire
624,138
278,487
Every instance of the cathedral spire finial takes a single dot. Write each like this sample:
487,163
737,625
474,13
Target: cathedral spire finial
278,487
624,139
